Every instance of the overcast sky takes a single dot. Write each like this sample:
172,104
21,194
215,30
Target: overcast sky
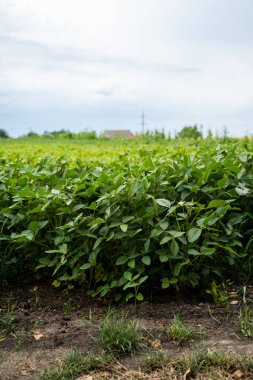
97,64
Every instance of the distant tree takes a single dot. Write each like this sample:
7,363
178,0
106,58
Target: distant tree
31,134
3,134
225,132
209,134
191,132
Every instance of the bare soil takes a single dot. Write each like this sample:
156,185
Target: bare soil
49,323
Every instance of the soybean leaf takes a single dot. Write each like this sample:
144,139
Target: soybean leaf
174,247
165,282
164,202
146,260
122,260
139,297
127,276
124,227
193,234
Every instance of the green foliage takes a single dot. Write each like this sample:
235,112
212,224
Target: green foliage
153,217
3,134
65,134
189,132
179,332
119,335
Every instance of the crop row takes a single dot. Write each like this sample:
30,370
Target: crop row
120,229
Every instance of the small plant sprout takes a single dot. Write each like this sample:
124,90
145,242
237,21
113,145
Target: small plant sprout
68,306
246,317
119,335
179,332
219,293
7,320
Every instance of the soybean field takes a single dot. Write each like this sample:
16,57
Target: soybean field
123,217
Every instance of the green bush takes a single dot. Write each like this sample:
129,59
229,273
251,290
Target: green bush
189,132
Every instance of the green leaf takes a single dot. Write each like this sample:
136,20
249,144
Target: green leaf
96,222
243,190
128,296
45,261
146,260
236,219
177,268
164,202
165,283
174,247
143,279
193,252
176,234
163,258
193,234
223,182
122,260
207,251
146,245
56,283
131,263
165,239
127,276
78,207
139,297
85,266
97,242
164,225
231,250
216,203
127,219
124,227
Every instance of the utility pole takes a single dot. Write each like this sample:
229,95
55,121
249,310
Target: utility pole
142,123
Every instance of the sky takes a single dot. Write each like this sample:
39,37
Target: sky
96,65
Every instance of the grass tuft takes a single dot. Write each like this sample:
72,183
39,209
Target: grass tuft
179,332
155,361
119,335
75,365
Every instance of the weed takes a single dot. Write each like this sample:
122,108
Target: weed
36,298
155,361
212,361
68,306
218,292
179,332
74,365
7,320
206,364
119,335
21,339
246,318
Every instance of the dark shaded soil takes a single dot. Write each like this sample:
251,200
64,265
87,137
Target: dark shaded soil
49,322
